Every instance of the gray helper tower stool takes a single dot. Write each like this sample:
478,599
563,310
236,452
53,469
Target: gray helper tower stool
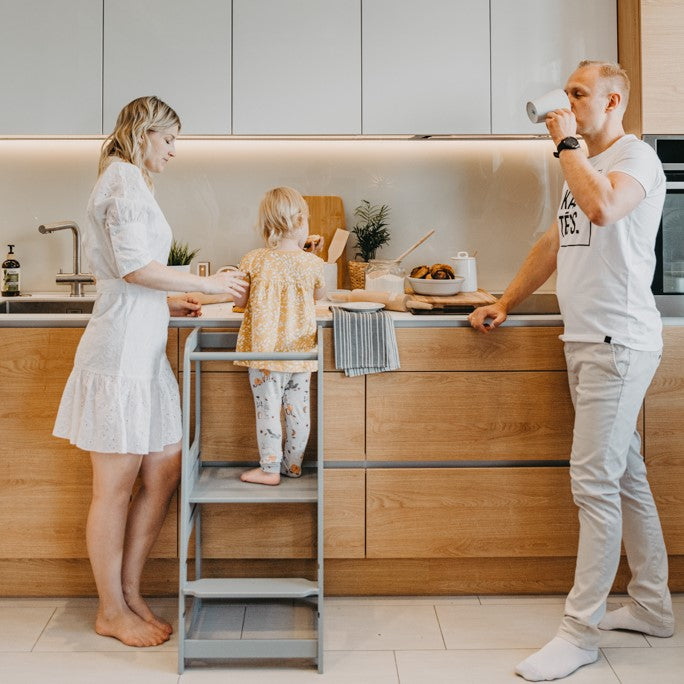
218,482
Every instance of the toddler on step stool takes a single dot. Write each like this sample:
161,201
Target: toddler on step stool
280,316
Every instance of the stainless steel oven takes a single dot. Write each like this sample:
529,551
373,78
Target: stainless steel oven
668,280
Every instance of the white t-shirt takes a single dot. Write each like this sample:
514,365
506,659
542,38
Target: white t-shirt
605,272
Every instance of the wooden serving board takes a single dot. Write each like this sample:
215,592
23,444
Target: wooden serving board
326,215
478,298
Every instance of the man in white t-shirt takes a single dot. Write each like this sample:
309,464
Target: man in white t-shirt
602,245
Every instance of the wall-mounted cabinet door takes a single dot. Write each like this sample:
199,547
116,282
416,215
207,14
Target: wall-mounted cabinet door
426,66
537,45
176,50
296,67
50,67
662,67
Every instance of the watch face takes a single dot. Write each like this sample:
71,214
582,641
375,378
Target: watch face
570,143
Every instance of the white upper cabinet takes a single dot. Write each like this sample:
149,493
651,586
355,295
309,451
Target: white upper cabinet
296,67
426,66
536,45
50,67
177,50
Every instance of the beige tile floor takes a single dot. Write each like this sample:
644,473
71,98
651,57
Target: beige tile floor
417,640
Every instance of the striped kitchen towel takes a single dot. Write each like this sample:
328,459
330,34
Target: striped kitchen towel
364,342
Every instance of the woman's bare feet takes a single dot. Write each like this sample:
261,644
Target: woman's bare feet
260,477
139,606
130,629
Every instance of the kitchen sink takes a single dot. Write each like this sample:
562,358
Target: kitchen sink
53,307
536,304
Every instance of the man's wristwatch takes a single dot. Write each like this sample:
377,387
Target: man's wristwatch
569,143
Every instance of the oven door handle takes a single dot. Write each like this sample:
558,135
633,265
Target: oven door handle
674,185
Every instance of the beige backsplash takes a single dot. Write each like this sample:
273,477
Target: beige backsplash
490,196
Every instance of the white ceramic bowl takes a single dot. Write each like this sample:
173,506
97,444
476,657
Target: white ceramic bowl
429,286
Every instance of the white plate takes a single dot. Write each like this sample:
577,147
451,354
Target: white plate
361,306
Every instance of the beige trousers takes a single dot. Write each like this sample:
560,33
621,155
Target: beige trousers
607,384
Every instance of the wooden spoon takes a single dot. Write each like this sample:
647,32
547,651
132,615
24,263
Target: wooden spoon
401,257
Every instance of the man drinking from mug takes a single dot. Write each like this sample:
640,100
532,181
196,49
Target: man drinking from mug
602,245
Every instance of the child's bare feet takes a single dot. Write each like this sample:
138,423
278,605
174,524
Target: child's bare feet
130,629
139,606
260,477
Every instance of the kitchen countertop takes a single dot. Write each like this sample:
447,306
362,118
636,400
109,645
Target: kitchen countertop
221,315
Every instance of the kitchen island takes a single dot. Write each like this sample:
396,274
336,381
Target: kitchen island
448,476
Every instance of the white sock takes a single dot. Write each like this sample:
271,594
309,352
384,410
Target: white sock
622,618
556,660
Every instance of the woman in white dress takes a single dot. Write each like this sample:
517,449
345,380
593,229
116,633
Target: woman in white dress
121,401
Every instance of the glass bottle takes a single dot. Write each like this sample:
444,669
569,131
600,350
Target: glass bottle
10,275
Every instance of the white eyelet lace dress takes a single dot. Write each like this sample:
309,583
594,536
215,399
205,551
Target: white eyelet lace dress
122,396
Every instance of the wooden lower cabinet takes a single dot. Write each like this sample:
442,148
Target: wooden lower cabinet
404,530
45,482
229,427
282,531
470,513
439,416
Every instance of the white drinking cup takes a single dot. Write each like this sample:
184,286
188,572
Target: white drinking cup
538,109
466,266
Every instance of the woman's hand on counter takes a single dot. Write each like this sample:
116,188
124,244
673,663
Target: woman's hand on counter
184,305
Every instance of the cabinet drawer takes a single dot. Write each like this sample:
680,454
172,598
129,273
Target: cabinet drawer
470,512
229,424
289,530
468,416
664,404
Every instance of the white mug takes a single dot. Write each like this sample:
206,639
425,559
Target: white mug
227,268
538,109
465,265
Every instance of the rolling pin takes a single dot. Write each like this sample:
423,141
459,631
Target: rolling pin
391,302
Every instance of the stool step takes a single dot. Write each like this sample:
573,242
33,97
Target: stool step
251,587
219,484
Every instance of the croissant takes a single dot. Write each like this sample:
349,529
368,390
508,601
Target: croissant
442,272
420,271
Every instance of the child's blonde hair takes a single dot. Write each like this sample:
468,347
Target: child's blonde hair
281,212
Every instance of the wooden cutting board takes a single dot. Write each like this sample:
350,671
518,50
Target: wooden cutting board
326,215
478,298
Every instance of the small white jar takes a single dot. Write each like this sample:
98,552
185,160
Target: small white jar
466,266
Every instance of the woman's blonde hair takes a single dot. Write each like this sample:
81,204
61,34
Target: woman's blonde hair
128,139
281,212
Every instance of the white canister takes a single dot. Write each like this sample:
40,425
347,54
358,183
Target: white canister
466,266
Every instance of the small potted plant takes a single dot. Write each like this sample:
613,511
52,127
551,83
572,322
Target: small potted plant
181,256
371,233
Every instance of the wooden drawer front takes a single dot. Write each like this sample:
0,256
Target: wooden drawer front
470,512
667,485
289,530
664,404
229,426
428,349
468,416
345,513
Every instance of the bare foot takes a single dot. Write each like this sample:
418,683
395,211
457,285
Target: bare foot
139,606
130,629
260,477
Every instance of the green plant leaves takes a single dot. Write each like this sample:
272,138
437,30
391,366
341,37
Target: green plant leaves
370,230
